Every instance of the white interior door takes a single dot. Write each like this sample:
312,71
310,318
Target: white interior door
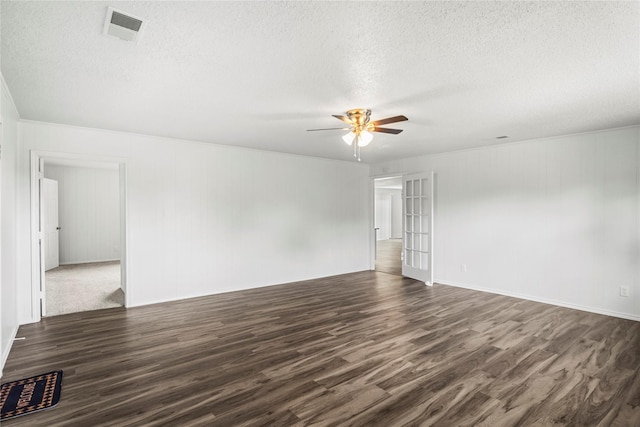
417,259
383,217
51,224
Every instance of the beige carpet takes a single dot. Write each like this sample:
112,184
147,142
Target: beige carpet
83,287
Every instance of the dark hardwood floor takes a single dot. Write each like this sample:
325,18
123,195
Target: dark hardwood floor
388,256
363,349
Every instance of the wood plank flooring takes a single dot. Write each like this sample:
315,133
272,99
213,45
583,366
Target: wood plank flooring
388,256
363,349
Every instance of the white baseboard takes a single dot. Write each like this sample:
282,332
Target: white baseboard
89,262
5,351
543,300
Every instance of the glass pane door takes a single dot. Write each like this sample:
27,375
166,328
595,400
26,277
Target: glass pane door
418,224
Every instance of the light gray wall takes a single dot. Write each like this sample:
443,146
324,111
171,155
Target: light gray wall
8,274
396,215
89,216
206,218
388,213
383,216
554,220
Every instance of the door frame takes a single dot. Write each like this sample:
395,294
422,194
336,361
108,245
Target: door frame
372,233
37,249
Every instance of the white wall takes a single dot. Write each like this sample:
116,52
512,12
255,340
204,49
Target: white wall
8,276
554,220
395,196
388,213
382,216
396,215
204,218
89,215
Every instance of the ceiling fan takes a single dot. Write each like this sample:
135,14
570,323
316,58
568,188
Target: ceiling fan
360,128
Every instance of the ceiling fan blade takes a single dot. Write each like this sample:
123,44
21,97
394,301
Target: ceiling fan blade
393,119
313,130
343,118
387,130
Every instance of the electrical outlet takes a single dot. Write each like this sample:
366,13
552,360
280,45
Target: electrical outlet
463,268
624,291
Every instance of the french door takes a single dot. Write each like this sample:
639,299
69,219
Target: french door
417,213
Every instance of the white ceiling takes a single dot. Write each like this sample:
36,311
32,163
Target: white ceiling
258,74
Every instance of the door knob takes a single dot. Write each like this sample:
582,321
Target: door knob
57,228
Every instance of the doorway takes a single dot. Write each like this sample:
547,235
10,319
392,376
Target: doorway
81,253
388,224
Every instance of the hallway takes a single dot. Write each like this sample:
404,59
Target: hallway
388,256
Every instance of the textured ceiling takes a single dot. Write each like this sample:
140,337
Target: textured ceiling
258,74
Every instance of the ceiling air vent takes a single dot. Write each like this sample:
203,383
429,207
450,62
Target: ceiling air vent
123,26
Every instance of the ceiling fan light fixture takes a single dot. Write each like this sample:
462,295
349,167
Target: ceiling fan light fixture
364,138
349,137
361,128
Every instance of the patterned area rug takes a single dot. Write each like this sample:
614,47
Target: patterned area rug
30,395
